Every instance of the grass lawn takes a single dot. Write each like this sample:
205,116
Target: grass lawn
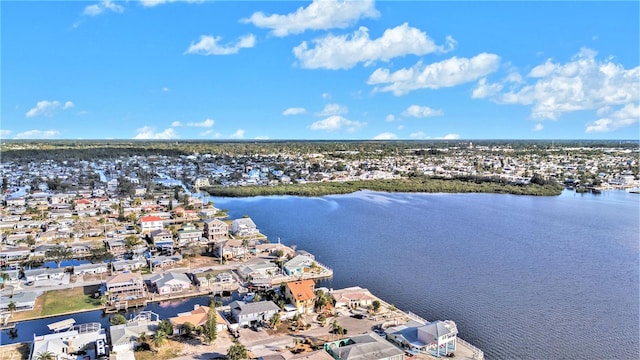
169,350
61,301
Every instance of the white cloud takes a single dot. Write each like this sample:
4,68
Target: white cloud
205,123
209,132
538,127
261,138
209,45
449,137
390,118
418,135
326,96
294,111
446,73
333,109
484,90
337,122
152,3
103,6
386,136
4,133
421,111
239,134
37,134
626,116
148,132
165,89
48,108
583,83
319,15
344,51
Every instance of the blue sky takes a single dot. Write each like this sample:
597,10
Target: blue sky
328,69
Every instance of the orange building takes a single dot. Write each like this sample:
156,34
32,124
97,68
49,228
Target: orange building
302,295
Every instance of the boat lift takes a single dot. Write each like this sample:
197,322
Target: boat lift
62,325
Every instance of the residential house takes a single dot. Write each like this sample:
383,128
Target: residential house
287,355
12,254
231,249
438,338
164,261
216,230
244,227
129,265
162,239
302,295
246,314
123,287
352,297
208,212
124,338
16,201
260,269
363,347
44,274
298,265
169,283
150,223
188,234
84,269
116,246
23,300
197,317
84,341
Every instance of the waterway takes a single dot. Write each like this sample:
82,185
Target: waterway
523,277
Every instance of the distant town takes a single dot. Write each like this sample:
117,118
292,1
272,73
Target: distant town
115,225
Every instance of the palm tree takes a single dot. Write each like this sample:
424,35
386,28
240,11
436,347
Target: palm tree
159,338
11,307
45,355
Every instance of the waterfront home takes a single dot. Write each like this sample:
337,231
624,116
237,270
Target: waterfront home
244,227
363,347
12,275
129,265
164,261
84,269
11,254
352,297
231,249
287,355
298,265
150,223
208,212
187,234
170,283
302,295
254,313
44,274
24,300
162,239
260,269
116,246
123,287
224,278
216,230
438,338
124,337
197,317
84,341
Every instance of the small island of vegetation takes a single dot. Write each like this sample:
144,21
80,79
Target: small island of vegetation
416,184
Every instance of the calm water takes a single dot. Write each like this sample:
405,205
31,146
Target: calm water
523,277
